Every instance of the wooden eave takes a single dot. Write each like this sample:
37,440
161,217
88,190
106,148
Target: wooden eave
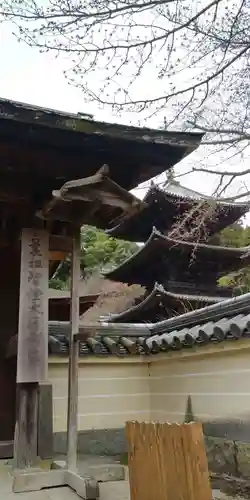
41,144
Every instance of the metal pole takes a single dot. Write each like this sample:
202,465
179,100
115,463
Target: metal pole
73,355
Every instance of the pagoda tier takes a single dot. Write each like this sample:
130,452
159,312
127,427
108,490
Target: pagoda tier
160,304
165,260
164,208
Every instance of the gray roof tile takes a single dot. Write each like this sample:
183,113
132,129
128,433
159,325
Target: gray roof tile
211,332
224,321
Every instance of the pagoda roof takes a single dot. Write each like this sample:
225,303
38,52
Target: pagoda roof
38,143
161,304
165,259
162,208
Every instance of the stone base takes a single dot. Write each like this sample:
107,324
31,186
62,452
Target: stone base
100,472
35,480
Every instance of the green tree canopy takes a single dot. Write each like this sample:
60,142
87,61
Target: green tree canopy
98,251
235,236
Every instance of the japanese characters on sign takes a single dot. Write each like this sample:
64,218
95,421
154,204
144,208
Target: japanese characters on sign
33,311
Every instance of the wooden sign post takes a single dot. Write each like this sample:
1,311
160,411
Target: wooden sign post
32,362
32,353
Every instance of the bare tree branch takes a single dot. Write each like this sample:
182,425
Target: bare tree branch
187,62
219,172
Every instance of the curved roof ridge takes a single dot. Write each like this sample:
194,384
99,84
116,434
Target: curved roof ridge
234,305
157,235
178,191
158,293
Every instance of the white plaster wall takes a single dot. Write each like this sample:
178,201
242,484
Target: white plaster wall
114,390
111,392
218,384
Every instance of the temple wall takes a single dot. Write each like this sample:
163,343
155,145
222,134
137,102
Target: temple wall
213,388
211,385
111,391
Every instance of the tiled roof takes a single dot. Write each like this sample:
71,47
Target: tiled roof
98,345
224,321
176,189
213,331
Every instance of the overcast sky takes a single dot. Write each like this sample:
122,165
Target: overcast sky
34,78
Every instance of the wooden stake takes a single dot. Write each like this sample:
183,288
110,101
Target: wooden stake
73,355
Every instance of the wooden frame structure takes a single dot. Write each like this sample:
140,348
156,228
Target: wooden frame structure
32,348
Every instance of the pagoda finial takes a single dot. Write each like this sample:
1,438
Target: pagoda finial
170,177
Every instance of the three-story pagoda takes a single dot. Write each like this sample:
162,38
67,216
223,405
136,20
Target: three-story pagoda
176,263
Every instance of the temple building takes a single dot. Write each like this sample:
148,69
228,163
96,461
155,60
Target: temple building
176,263
57,171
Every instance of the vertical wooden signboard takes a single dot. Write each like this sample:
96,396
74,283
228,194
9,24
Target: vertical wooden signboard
32,357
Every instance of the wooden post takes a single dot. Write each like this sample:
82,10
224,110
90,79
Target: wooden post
73,355
32,368
32,352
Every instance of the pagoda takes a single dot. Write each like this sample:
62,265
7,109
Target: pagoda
176,262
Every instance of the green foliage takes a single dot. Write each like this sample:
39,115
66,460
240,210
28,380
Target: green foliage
98,251
235,236
57,283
